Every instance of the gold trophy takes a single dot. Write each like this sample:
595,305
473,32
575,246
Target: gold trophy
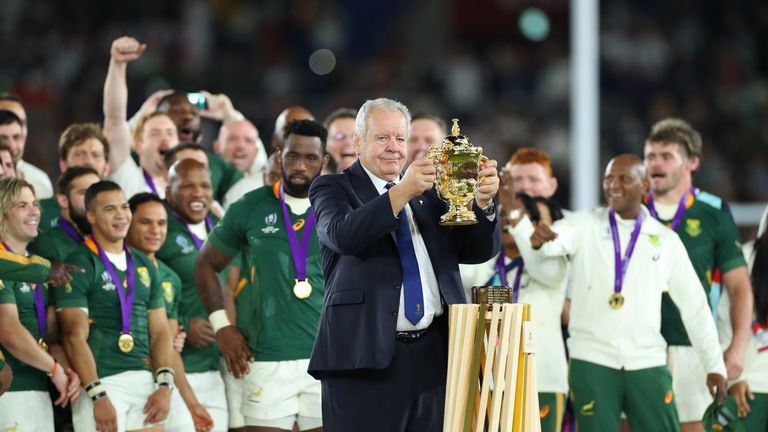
457,162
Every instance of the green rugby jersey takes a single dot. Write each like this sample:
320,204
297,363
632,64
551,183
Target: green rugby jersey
279,326
95,290
22,294
171,284
223,175
53,244
179,253
49,214
712,241
14,267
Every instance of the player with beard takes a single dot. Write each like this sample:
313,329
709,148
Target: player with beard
673,152
72,227
277,315
188,200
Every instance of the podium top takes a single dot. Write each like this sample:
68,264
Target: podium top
491,294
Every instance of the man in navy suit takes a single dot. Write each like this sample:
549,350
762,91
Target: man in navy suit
390,273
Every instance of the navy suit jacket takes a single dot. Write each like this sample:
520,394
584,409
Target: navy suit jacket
362,270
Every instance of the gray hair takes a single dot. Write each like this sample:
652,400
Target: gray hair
384,104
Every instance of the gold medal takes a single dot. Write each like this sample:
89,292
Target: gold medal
616,300
125,342
302,289
42,344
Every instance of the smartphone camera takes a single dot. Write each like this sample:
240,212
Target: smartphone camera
198,100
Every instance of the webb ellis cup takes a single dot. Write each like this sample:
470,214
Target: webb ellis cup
457,162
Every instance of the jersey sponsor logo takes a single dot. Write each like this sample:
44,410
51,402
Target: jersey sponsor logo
168,292
693,227
270,220
185,245
143,276
299,224
668,397
588,409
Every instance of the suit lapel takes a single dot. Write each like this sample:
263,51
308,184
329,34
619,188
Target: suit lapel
361,183
364,188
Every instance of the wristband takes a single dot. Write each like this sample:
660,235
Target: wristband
98,396
92,385
219,320
164,376
53,368
96,391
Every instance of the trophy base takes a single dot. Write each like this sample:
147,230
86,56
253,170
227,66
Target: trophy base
458,217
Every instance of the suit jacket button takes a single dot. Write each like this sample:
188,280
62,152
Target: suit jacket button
396,286
394,313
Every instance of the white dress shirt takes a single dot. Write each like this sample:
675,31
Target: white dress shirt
432,304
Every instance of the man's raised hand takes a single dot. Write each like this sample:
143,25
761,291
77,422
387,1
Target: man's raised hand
126,49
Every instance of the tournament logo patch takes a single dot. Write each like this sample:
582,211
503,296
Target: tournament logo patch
693,227
25,288
168,292
106,280
668,398
588,409
184,244
270,220
655,240
143,276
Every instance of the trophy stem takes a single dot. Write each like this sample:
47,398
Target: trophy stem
458,214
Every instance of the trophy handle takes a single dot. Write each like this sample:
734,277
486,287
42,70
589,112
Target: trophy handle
483,159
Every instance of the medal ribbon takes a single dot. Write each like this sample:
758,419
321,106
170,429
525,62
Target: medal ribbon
150,182
42,318
501,271
622,264
69,230
125,296
197,241
680,208
299,252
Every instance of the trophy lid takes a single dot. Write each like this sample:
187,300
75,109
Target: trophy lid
456,138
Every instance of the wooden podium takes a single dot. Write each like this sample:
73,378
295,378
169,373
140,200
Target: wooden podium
491,382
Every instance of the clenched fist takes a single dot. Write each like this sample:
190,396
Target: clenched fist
126,49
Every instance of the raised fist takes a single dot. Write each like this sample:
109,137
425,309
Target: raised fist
126,49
